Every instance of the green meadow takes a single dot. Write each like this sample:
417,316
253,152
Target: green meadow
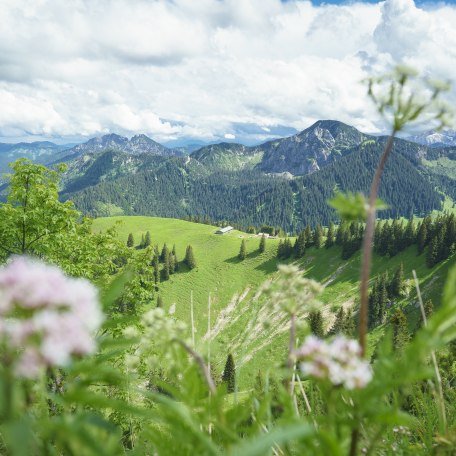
240,323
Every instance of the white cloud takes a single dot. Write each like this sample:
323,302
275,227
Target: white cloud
229,136
182,68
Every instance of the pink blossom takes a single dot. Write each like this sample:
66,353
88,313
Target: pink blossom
338,361
46,316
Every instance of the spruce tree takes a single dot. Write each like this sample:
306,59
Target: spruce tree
432,253
316,324
229,374
300,245
397,283
409,233
423,235
374,305
262,246
339,322
349,324
130,240
318,236
141,244
147,239
280,249
166,266
156,269
159,301
172,263
242,251
308,236
176,261
400,329
341,233
330,237
164,252
428,308
190,258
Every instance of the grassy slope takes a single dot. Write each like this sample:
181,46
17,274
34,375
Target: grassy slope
221,273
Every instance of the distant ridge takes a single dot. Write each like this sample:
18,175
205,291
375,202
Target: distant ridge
138,144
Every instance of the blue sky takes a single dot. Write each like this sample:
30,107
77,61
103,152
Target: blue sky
207,70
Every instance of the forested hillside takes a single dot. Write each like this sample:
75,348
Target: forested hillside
180,187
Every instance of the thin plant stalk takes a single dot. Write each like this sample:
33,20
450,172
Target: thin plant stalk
368,239
200,361
366,262
438,378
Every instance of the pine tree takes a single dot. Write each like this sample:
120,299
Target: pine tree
374,305
141,244
156,252
383,293
377,236
341,233
339,322
159,301
156,269
147,239
397,283
172,263
318,236
349,325
432,253
308,236
242,251
229,374
164,252
316,324
262,246
166,266
400,329
300,245
190,258
288,248
176,261
330,238
280,249
130,240
423,234
428,308
409,233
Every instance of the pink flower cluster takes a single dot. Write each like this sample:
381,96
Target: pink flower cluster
45,316
338,361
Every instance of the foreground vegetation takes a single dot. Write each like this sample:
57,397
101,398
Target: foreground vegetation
130,370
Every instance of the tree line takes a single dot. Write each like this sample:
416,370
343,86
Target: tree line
436,237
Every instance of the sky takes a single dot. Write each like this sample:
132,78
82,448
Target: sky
207,70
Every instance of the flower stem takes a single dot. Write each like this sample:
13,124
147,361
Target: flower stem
368,243
366,262
199,360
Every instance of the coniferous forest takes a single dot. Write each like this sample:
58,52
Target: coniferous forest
252,281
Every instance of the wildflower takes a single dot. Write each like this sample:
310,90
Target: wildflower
338,361
292,292
46,318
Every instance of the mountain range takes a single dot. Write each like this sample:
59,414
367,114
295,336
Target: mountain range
285,182
434,138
